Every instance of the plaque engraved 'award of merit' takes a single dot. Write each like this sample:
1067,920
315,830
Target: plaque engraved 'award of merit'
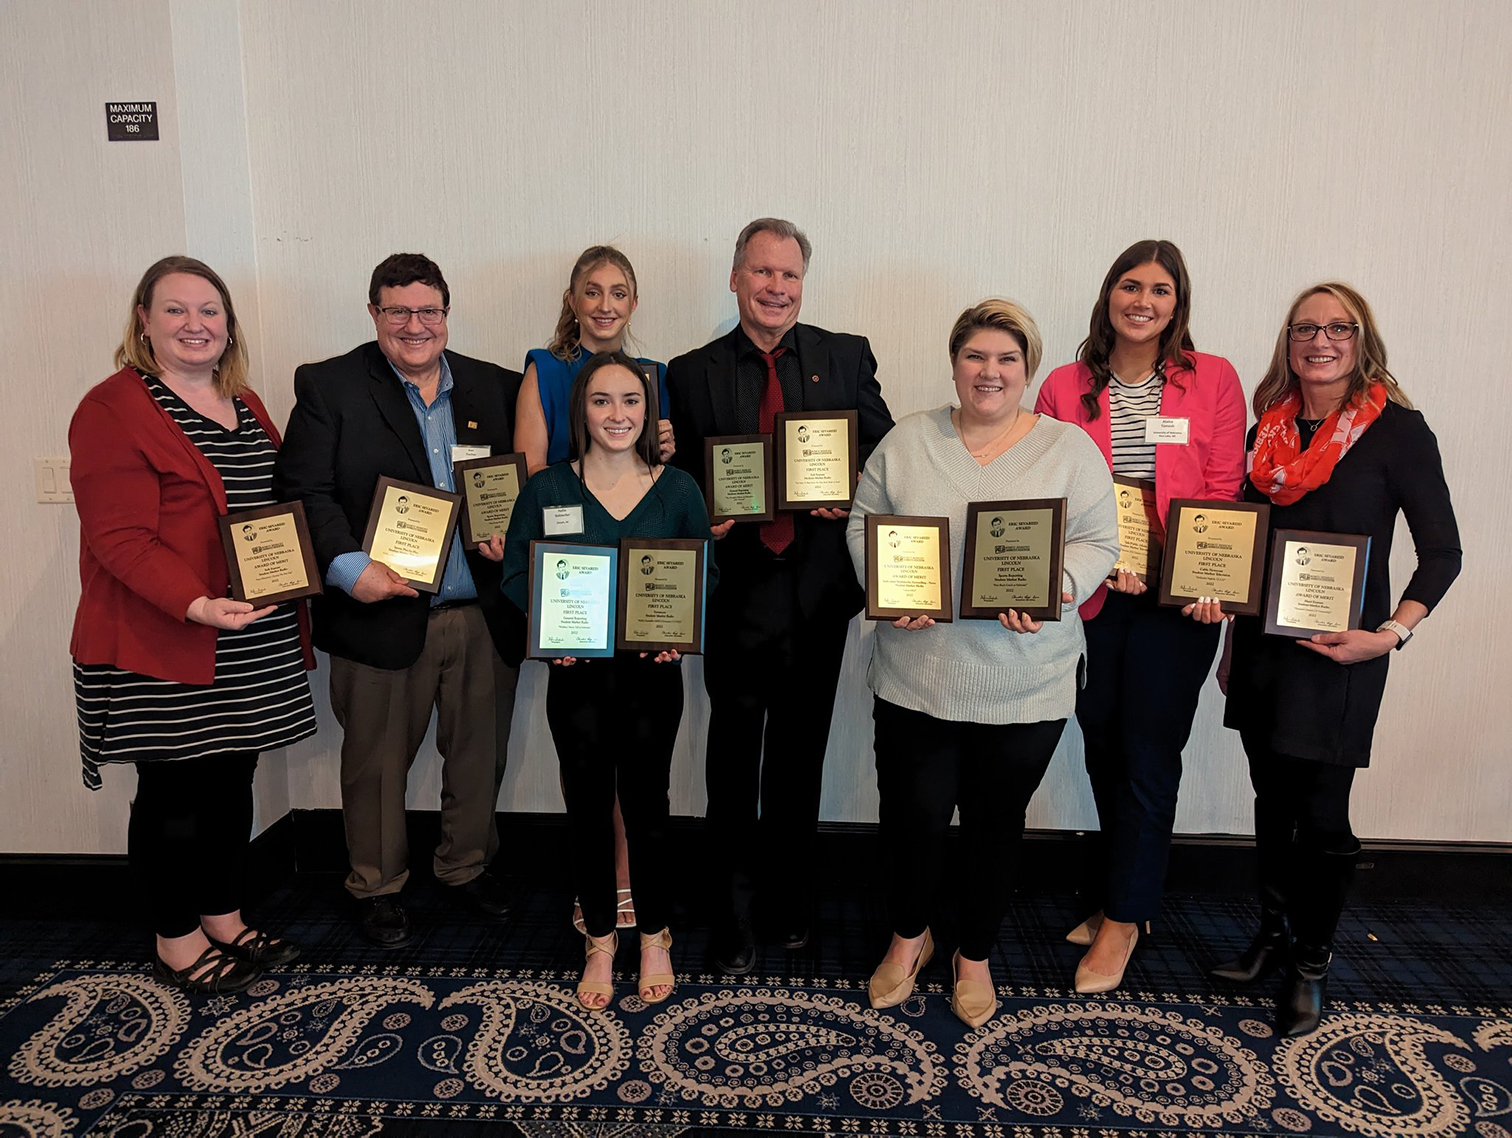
1215,549
816,459
410,529
1014,554
269,554
1317,582
489,487
572,599
661,594
1139,536
907,567
738,478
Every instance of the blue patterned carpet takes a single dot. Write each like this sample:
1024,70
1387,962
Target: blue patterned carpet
475,1031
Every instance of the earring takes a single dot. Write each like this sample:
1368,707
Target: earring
142,336
230,343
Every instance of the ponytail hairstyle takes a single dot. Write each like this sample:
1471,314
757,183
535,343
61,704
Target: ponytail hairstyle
566,342
1175,341
1370,354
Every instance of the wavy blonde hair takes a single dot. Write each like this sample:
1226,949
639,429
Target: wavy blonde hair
566,341
136,350
1003,316
1370,353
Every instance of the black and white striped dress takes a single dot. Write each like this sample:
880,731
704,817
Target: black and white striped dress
260,698
1129,405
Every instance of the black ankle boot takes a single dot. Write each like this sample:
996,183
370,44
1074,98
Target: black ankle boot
1266,952
1299,1008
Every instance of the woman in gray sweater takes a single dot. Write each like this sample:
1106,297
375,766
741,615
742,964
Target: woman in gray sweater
969,713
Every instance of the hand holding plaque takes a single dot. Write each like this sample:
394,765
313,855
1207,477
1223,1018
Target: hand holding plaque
269,556
661,594
1317,582
489,487
816,459
907,567
410,529
1140,539
1014,555
738,478
572,600
1215,549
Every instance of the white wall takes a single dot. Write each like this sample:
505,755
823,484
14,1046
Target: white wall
934,153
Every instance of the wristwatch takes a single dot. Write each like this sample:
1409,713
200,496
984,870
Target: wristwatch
1403,632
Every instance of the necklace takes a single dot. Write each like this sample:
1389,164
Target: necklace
986,450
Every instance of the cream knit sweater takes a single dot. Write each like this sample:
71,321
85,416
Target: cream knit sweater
977,671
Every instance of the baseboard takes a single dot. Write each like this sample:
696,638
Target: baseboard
533,846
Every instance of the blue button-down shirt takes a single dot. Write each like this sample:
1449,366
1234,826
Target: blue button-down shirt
438,429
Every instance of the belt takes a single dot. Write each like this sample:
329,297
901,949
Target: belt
442,606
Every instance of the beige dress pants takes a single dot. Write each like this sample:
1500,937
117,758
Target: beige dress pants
384,715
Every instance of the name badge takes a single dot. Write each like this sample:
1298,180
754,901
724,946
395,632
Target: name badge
1166,429
461,452
561,520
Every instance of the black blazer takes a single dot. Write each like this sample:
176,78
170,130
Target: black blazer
352,422
839,374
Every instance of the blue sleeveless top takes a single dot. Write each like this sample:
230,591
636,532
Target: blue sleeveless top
554,380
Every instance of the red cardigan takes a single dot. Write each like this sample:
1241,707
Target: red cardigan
1210,465
149,534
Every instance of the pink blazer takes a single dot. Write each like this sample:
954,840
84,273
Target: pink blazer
1210,465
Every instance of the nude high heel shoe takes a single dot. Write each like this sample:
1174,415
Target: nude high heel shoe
1086,932
973,1002
1090,983
890,985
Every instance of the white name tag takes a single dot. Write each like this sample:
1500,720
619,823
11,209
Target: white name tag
461,452
558,521
1166,429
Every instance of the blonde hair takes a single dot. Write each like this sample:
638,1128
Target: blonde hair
1370,353
136,350
1003,316
566,341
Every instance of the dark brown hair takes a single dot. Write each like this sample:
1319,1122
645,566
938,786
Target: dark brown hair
577,407
1175,341
400,269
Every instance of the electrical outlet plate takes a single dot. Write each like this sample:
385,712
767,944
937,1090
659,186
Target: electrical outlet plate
52,480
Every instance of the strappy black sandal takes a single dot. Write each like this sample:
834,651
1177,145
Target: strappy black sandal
253,946
225,973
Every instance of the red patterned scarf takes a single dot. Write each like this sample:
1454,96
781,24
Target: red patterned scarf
1284,472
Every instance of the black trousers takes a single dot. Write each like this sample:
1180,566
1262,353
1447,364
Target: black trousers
1145,670
614,722
926,768
771,676
187,839
1302,799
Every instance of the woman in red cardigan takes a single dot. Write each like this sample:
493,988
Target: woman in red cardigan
170,673
1163,413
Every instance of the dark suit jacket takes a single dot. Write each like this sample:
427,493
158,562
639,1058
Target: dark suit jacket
839,373
352,422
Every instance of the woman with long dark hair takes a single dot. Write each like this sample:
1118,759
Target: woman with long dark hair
1138,369
1339,449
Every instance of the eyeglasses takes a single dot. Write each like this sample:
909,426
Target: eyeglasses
1338,330
398,316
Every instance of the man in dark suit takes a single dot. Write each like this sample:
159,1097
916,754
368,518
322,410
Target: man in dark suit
778,624
405,407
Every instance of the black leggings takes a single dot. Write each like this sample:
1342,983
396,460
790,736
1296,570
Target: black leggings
1300,799
614,722
187,841
926,767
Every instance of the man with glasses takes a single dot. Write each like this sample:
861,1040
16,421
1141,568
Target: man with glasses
405,407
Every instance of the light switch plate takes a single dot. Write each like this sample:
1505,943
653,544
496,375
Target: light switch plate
53,484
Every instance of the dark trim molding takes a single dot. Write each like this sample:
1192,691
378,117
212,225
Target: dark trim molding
1050,861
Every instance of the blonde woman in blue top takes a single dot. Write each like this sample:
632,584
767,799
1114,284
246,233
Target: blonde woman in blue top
600,298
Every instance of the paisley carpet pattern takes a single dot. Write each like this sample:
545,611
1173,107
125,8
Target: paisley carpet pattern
99,1048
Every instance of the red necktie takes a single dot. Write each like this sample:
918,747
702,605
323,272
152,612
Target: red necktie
776,534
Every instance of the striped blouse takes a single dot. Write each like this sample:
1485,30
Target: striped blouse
259,699
1129,405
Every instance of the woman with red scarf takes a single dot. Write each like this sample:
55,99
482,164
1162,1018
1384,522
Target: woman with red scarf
1338,448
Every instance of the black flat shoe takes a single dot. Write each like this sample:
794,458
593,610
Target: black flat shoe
224,974
259,948
484,894
384,922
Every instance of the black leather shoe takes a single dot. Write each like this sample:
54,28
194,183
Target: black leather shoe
1299,1008
483,894
792,935
1266,952
735,949
383,921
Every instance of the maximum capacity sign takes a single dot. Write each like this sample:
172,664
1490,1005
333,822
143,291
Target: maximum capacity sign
131,122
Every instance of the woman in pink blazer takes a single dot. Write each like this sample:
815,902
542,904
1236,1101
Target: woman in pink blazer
1138,382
